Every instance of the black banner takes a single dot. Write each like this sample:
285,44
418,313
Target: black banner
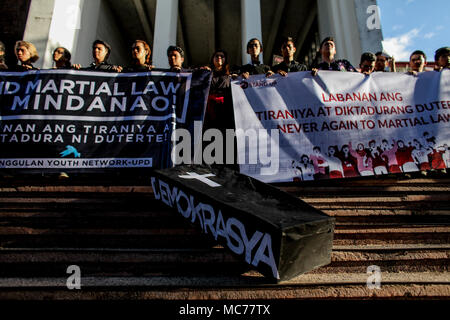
75,119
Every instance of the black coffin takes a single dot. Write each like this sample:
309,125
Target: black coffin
278,234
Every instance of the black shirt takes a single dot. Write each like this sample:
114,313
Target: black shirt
293,66
180,70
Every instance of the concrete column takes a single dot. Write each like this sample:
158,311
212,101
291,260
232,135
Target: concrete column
165,31
251,26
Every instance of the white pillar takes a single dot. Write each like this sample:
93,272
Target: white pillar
165,33
251,26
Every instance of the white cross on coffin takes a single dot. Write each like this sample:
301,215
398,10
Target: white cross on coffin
201,177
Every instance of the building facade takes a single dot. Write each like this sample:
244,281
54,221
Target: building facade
198,26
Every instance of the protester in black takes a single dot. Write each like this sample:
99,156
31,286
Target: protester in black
328,51
288,64
141,53
101,52
254,49
27,54
175,56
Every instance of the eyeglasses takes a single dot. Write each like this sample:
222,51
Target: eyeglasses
219,56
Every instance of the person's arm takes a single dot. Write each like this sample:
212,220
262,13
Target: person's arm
349,67
268,72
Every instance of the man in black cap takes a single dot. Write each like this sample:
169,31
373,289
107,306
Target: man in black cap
288,64
417,61
442,58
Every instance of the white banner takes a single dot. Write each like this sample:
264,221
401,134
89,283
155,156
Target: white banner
342,124
87,163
